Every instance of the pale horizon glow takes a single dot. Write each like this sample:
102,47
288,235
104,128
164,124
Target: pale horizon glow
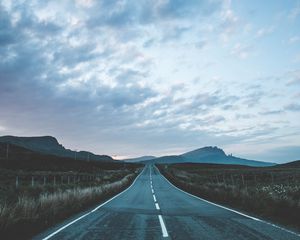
132,78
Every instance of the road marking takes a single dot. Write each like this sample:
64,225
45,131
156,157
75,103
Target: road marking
161,221
95,209
229,209
163,226
157,206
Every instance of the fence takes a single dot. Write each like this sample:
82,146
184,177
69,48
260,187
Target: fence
51,179
241,178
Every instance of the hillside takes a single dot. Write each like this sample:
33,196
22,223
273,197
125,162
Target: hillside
139,159
293,164
50,145
25,159
209,155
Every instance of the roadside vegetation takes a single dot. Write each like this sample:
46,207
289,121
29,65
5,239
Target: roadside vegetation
272,193
31,201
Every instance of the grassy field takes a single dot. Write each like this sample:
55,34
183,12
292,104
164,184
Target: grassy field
31,201
272,193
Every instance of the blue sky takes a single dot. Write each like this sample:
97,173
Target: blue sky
130,78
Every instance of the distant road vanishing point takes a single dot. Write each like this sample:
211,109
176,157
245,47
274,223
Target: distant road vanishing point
152,208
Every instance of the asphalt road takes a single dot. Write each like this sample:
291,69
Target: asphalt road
154,209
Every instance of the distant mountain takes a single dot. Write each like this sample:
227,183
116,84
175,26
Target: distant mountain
50,145
168,159
208,155
139,159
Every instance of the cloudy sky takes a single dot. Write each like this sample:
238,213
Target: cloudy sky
139,77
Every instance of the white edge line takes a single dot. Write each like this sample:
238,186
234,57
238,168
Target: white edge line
245,215
95,209
163,226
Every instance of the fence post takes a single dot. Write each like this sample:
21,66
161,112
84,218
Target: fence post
243,181
68,179
272,178
44,180
54,181
32,181
7,150
17,181
232,180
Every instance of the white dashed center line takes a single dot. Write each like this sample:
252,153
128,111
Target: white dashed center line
157,206
163,226
160,218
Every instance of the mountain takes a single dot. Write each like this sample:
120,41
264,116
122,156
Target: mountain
19,158
209,155
139,159
50,145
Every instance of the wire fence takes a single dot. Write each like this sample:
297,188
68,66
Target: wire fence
241,178
19,180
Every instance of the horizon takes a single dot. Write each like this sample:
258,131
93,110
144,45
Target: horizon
136,78
120,158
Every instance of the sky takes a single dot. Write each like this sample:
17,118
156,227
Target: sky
142,77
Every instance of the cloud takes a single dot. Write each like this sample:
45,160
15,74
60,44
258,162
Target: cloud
229,21
272,112
241,51
294,107
264,31
294,78
102,72
253,99
125,13
201,44
295,11
85,3
294,39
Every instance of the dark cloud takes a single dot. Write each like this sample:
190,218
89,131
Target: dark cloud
6,35
272,112
253,99
208,100
201,44
294,107
131,12
181,8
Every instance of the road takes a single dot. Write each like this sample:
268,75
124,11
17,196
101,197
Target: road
152,208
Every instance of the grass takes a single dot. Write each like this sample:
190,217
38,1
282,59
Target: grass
27,210
272,193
